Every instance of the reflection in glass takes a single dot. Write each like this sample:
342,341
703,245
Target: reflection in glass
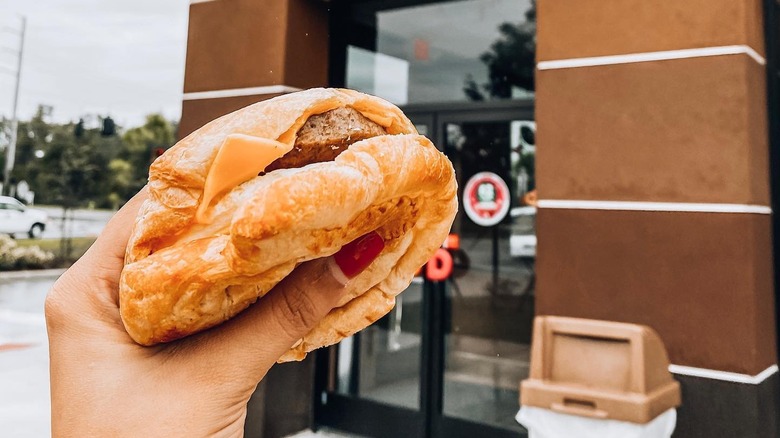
378,74
446,51
382,363
490,301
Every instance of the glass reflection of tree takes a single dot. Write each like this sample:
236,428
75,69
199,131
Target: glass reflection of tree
510,61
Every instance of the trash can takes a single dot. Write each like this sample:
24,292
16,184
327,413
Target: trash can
602,379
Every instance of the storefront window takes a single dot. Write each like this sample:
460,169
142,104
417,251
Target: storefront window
471,50
451,355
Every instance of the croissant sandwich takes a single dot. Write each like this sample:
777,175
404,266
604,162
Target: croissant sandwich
235,206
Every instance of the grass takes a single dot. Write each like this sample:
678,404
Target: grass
79,244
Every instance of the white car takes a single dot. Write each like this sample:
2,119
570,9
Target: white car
15,218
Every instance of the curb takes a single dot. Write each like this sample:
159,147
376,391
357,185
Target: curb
37,273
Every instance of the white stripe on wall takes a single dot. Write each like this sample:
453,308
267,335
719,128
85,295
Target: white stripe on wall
234,92
651,56
192,2
654,206
723,375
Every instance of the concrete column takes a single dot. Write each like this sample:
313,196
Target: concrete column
654,186
243,51
240,52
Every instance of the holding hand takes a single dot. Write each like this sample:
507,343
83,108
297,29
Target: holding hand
104,384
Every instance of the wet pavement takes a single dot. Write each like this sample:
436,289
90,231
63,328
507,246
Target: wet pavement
83,223
24,356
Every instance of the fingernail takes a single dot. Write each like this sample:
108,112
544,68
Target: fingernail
354,257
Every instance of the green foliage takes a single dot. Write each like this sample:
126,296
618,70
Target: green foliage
123,181
79,245
78,165
75,173
140,144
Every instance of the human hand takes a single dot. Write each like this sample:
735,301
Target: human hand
104,384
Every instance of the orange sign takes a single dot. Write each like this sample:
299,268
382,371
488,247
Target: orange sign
439,266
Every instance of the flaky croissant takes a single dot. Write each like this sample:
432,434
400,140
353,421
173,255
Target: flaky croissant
355,164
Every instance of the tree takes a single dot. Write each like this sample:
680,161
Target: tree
32,136
140,143
75,175
122,181
511,61
83,164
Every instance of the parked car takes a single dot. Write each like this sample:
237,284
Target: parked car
16,218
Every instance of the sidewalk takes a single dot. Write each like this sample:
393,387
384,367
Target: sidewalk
24,354
24,399
84,214
24,358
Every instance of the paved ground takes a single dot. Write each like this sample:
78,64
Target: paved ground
24,356
85,223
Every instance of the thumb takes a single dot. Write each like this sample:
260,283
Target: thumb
260,335
102,263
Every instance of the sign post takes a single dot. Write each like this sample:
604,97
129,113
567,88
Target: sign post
486,201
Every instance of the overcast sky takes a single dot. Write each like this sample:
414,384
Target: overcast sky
123,58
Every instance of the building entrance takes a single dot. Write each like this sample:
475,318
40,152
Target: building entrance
448,360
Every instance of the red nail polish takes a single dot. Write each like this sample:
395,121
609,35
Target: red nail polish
355,256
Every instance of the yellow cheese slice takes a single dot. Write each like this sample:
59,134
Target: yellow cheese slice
240,158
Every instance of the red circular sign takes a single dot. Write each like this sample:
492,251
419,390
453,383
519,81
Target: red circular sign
486,199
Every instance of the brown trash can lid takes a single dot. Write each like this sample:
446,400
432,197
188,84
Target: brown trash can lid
599,369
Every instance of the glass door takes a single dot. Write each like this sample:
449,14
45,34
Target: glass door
488,303
448,360
377,382
371,383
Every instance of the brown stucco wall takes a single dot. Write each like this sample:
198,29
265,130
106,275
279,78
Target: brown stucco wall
687,130
246,43
584,28
702,280
235,44
690,130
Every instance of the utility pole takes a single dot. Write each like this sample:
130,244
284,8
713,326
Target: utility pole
10,152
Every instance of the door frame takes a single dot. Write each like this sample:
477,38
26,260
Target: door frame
375,419
771,9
